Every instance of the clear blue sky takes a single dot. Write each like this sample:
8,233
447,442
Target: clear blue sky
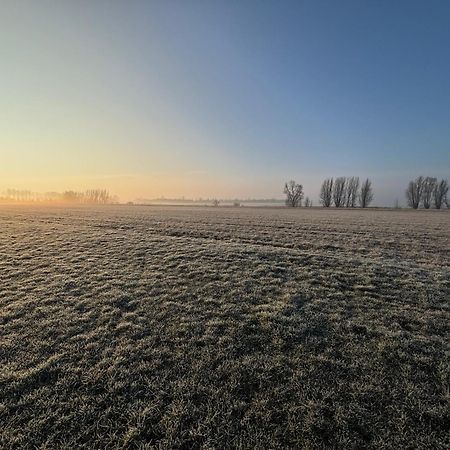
231,98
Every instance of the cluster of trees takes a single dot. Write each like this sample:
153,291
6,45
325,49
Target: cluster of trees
342,192
91,196
18,195
346,192
427,191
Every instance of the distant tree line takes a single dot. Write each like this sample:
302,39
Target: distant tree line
20,195
91,196
427,191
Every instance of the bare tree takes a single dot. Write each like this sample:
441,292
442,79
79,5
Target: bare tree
414,192
347,191
366,194
339,192
351,191
294,194
440,194
326,192
429,185
308,202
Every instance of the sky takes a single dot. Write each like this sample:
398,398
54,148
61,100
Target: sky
223,98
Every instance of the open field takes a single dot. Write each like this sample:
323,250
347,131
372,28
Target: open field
167,327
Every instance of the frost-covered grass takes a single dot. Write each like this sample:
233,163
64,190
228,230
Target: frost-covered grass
144,327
